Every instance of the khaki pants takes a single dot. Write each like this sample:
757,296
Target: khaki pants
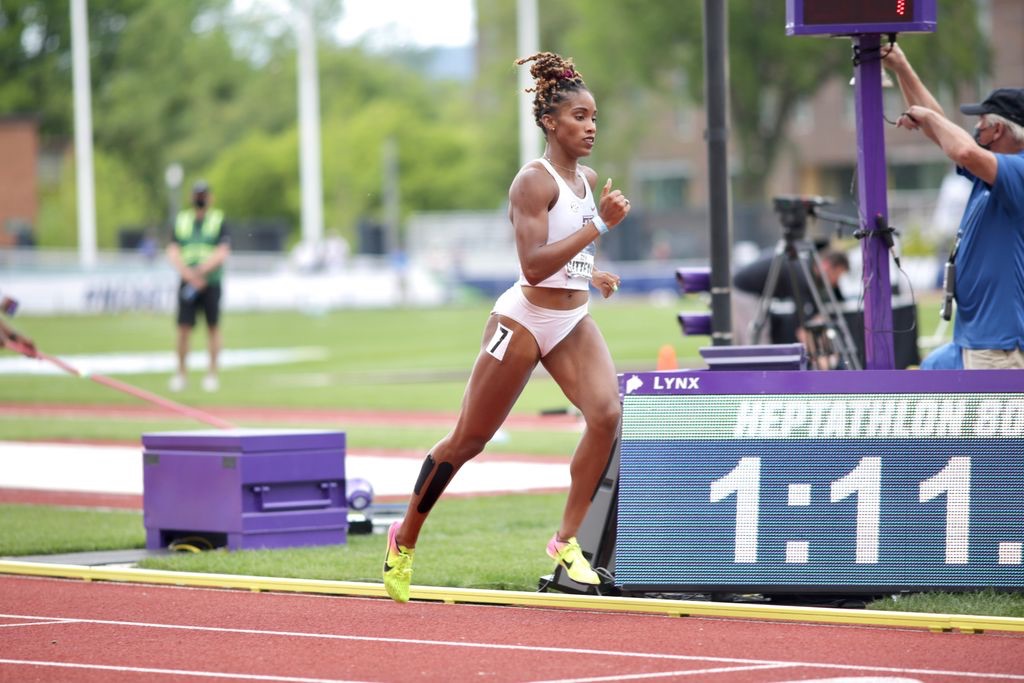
993,359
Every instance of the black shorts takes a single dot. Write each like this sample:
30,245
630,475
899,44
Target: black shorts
207,300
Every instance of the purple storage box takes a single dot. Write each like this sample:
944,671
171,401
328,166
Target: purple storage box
245,488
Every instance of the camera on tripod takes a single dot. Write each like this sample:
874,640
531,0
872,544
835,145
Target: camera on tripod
793,211
828,337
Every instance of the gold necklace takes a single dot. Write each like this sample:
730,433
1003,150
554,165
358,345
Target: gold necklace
574,171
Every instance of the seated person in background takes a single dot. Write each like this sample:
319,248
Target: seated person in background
750,281
946,357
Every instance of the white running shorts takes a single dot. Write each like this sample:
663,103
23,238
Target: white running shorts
548,326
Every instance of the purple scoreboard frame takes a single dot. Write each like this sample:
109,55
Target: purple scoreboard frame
827,482
858,17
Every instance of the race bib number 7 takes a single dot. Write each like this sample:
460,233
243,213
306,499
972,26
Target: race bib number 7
499,342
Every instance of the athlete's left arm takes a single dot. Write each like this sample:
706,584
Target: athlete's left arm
607,283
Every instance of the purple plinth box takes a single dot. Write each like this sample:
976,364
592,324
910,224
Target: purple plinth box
756,357
245,488
692,280
695,324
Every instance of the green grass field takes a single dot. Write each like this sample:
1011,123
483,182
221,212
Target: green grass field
401,359
405,359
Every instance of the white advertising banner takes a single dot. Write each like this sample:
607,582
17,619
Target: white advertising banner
111,292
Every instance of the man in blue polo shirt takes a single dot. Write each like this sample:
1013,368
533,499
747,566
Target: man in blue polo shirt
989,251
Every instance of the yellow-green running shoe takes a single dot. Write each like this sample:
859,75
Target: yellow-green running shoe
570,556
397,567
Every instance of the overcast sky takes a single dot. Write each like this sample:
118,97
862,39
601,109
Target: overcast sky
392,23
418,23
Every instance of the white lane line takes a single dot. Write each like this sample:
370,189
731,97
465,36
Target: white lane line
46,622
173,672
527,648
663,674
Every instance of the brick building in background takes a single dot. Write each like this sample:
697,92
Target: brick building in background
19,179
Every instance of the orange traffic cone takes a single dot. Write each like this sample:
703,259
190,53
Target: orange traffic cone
667,358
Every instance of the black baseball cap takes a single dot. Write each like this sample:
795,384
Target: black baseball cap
201,187
1006,102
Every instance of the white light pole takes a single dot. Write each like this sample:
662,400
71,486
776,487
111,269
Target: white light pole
85,183
527,43
310,168
173,176
391,195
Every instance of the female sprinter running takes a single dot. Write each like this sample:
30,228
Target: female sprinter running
541,318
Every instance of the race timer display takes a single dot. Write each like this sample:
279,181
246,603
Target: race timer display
863,12
849,17
821,482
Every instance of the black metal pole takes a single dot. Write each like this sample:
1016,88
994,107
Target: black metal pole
716,84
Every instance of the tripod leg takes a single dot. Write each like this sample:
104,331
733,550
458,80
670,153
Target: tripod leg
765,302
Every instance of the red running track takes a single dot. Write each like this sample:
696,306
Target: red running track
63,630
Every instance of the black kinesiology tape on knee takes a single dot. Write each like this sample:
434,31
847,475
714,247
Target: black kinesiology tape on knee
428,465
441,477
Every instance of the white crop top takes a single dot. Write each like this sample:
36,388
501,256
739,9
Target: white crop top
569,214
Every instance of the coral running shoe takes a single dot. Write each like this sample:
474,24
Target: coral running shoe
397,567
570,556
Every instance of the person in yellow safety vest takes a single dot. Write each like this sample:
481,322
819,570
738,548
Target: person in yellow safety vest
198,249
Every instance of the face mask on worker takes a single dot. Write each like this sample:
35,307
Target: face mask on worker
977,138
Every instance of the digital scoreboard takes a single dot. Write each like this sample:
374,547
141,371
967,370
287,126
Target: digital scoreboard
853,17
864,482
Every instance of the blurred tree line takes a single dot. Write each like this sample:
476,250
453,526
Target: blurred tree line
197,83
659,45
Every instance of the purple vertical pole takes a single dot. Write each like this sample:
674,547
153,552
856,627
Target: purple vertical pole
878,344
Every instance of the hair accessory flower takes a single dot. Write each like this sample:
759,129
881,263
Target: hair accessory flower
568,73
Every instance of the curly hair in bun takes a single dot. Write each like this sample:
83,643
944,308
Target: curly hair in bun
554,78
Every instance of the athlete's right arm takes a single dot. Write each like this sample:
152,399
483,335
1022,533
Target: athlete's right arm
531,196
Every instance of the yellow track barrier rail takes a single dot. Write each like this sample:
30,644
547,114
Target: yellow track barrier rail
656,606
